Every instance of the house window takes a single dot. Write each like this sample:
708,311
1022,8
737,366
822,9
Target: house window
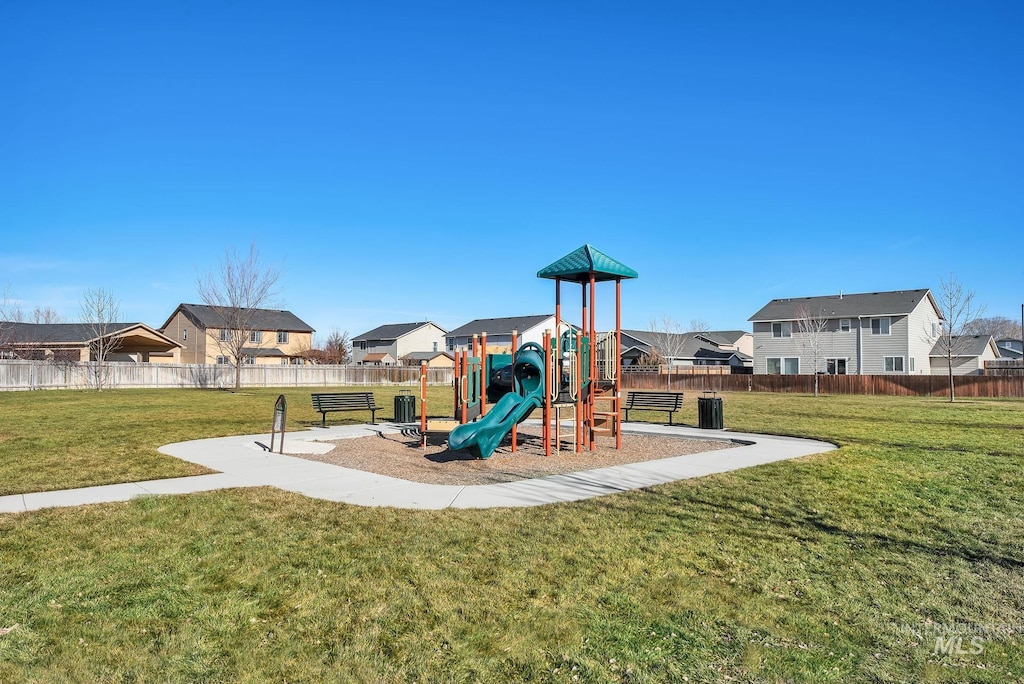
893,364
783,329
880,326
844,325
184,334
223,360
256,336
250,360
224,335
835,366
282,337
912,364
435,346
451,343
787,366
362,345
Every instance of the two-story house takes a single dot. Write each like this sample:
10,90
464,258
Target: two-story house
859,334
205,335
499,332
391,344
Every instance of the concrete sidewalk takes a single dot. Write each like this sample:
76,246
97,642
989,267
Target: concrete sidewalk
244,462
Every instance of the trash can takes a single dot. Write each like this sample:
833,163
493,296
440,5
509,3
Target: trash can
709,412
405,407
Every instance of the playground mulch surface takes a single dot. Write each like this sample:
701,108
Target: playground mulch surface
401,456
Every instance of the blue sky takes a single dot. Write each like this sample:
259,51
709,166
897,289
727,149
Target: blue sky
406,160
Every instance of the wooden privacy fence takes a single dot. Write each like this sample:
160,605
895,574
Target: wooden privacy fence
680,370
31,375
893,385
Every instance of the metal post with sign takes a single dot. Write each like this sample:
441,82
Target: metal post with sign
280,416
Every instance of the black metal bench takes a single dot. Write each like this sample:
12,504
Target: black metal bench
654,401
327,402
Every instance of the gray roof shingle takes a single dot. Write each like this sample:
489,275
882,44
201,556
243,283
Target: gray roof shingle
964,345
898,302
58,333
265,319
392,331
499,326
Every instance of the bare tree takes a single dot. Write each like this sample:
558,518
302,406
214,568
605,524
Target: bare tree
337,349
999,327
236,291
699,325
46,315
668,340
960,311
810,329
10,313
100,312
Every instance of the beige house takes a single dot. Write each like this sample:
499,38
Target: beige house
75,342
396,341
275,337
438,359
378,359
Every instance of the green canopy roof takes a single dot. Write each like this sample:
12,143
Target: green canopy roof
578,265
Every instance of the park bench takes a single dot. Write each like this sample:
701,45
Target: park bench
654,401
327,402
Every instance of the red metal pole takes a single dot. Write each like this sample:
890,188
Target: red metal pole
617,401
483,375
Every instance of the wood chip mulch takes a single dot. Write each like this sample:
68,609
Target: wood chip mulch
401,456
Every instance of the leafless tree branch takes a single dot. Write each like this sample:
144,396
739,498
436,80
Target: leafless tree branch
961,312
100,312
236,291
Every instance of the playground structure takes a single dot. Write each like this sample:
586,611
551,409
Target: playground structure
573,370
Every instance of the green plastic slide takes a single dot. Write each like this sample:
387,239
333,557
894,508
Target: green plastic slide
483,436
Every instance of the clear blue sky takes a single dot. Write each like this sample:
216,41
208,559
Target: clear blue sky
411,160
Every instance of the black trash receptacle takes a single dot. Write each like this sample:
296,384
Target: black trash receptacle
709,412
405,408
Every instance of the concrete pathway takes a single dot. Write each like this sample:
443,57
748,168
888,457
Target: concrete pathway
244,462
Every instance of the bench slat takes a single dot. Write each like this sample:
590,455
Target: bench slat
654,401
325,402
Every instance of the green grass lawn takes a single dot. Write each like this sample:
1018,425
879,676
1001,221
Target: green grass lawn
804,570
66,439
